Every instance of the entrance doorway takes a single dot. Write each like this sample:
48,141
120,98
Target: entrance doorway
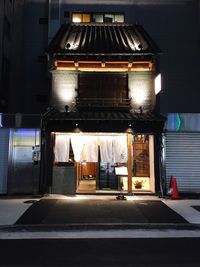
107,177
87,177
100,161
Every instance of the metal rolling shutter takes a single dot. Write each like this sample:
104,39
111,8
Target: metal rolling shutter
4,147
183,160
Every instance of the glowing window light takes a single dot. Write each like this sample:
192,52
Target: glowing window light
76,18
157,84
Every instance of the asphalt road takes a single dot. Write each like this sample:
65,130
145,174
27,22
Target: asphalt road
157,252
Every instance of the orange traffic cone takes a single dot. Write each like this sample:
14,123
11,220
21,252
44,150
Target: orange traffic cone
175,193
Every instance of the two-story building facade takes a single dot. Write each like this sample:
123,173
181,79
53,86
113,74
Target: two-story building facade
103,134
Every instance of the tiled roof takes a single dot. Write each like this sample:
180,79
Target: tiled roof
105,121
98,39
105,115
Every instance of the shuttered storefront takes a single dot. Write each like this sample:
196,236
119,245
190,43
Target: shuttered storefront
183,160
4,147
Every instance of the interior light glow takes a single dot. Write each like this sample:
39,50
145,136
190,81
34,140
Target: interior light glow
157,84
26,132
76,20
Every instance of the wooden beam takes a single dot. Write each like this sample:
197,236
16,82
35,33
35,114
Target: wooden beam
76,64
103,66
130,163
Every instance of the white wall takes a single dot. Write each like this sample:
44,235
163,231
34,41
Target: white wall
64,85
141,90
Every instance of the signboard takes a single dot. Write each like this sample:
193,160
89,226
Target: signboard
121,170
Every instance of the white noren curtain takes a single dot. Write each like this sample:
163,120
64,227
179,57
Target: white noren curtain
77,142
120,149
91,148
106,148
61,149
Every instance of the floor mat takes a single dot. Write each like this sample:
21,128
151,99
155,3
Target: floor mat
64,211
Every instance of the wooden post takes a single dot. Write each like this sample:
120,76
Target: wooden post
130,164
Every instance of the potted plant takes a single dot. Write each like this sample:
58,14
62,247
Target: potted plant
138,184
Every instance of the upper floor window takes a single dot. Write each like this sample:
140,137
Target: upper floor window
81,17
97,17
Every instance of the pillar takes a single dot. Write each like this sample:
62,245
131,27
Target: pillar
130,163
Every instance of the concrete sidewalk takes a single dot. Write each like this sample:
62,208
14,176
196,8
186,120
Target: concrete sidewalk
11,209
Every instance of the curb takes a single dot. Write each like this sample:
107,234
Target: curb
96,227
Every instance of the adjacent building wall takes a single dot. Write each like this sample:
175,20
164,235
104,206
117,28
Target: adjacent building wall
1,38
35,80
54,18
182,157
6,31
4,148
23,173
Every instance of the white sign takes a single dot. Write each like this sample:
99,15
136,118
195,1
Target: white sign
121,170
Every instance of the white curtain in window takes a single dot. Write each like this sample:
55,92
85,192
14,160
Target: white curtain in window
120,149
77,142
91,148
106,148
61,149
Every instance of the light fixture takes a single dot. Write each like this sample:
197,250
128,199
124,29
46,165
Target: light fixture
67,46
141,109
129,129
66,108
157,84
140,47
77,129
